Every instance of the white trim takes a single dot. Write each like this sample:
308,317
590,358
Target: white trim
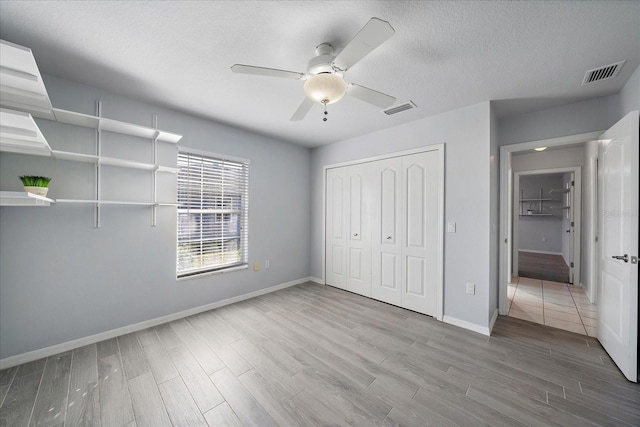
435,147
30,356
212,154
211,273
316,280
492,322
533,251
424,149
506,200
467,325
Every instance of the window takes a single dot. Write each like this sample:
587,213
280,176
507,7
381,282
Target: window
213,206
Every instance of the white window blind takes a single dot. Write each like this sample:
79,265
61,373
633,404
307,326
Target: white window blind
213,206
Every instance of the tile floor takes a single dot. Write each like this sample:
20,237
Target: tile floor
555,304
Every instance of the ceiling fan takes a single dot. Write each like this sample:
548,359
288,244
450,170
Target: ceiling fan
324,82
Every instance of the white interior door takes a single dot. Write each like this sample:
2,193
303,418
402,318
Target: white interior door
618,218
359,233
336,228
386,246
420,226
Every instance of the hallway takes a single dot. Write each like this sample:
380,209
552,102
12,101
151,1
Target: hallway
554,304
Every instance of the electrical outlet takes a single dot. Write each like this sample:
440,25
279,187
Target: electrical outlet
256,266
451,227
471,288
266,264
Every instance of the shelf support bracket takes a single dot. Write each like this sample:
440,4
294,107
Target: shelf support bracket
98,171
154,195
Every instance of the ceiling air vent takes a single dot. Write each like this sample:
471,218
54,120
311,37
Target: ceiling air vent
602,73
399,108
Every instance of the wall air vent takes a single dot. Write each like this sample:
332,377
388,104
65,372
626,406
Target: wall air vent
602,73
399,108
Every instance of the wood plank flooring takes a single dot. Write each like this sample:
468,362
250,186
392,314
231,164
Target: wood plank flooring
543,266
316,355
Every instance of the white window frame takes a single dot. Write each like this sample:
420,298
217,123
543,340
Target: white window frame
204,203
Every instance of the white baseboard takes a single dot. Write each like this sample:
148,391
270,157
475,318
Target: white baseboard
492,322
316,280
467,325
533,251
80,342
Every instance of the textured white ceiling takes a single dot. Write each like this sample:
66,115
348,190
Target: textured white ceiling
444,55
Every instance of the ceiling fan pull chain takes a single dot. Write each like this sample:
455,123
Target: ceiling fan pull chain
324,101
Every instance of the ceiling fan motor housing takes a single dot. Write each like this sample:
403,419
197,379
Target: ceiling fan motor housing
323,61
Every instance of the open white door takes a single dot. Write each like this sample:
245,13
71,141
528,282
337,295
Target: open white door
618,219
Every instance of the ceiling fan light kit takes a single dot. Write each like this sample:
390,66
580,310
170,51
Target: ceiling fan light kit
324,78
325,88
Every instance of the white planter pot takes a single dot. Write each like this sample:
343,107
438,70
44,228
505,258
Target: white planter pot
40,191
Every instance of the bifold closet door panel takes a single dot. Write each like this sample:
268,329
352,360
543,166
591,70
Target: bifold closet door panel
336,228
359,235
386,246
420,198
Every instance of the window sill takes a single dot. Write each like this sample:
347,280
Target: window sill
211,273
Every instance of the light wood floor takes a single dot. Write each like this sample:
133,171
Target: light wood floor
316,355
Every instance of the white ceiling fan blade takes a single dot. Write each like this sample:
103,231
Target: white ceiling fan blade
302,110
371,96
262,71
372,35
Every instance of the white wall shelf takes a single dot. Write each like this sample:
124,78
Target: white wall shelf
110,161
113,202
20,198
95,122
559,191
23,89
19,133
22,85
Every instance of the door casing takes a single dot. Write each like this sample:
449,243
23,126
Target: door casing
506,203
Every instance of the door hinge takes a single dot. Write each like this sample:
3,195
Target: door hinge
571,265
596,239
572,223
573,183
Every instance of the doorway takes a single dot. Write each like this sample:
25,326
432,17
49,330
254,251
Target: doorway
547,224
572,309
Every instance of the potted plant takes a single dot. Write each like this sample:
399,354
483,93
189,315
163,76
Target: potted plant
35,184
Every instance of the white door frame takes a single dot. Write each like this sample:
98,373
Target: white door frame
506,201
436,147
577,214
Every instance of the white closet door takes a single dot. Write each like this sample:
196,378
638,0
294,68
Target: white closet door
420,199
386,239
359,229
336,228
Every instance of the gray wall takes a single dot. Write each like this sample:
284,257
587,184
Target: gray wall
582,117
466,134
62,279
629,97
